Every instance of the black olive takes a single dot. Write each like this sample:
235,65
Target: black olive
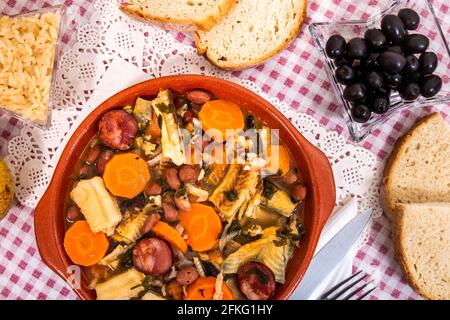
361,113
357,49
430,85
416,43
410,18
393,28
343,60
409,91
374,80
376,39
372,61
392,62
346,75
380,103
355,92
397,49
428,62
335,46
412,65
392,80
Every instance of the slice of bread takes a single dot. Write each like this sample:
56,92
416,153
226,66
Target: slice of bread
187,15
422,236
419,167
252,32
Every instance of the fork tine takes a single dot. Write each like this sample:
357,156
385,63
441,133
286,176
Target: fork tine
365,294
337,286
351,294
351,285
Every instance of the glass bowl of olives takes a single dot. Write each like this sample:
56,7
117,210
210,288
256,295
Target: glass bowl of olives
394,60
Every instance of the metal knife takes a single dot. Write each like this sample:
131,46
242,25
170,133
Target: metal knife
330,255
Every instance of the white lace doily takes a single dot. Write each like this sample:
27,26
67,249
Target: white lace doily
33,154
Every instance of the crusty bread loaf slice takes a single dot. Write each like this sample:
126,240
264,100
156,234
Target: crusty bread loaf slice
422,236
419,167
187,15
252,32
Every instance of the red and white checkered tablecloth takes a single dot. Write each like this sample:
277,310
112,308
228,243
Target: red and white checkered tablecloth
297,77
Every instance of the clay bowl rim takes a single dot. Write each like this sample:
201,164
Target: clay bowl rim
319,170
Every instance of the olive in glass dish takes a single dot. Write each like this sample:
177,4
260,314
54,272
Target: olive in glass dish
376,40
380,103
416,43
396,49
361,113
357,48
392,81
428,62
343,60
346,75
393,28
410,18
409,91
336,46
412,65
430,85
355,92
374,80
392,62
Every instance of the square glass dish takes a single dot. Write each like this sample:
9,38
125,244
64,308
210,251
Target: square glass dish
41,120
429,26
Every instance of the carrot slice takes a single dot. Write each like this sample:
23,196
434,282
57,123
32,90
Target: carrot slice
202,225
281,165
84,247
204,288
166,232
220,115
126,175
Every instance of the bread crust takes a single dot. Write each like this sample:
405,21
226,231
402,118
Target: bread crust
255,62
398,236
183,24
386,186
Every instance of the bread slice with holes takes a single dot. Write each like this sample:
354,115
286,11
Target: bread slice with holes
252,32
187,15
419,167
422,236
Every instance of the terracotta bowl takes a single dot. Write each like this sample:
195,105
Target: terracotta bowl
314,167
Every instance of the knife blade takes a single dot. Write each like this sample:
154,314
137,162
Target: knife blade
330,255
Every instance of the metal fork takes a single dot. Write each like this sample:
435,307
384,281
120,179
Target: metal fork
331,294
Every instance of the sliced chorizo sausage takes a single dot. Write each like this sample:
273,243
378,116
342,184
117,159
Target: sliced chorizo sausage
152,256
256,281
117,129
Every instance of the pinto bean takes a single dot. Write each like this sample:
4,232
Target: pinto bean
150,222
73,214
187,275
298,192
93,154
152,256
175,290
153,189
103,158
198,96
170,212
189,174
172,178
117,129
87,172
